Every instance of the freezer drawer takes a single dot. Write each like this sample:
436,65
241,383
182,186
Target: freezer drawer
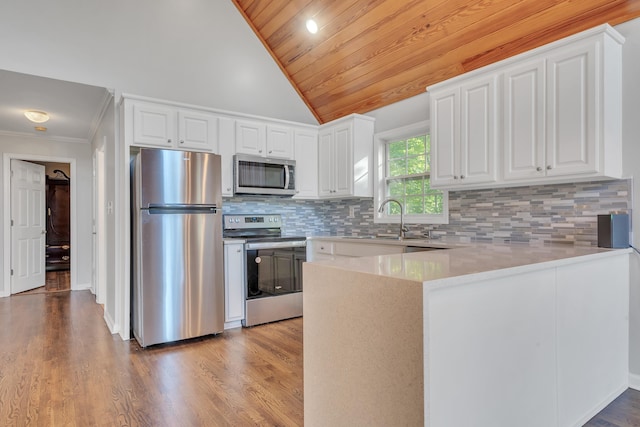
178,285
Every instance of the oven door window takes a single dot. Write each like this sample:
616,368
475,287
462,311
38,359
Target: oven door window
274,271
261,175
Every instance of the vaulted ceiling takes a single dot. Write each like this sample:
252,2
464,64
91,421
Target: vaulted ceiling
371,53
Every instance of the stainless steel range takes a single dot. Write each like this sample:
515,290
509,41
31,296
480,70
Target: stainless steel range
273,287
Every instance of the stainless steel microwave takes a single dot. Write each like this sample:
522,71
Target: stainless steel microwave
259,175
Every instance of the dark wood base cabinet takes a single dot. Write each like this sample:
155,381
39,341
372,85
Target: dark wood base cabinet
57,257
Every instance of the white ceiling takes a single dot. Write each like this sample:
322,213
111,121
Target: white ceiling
74,108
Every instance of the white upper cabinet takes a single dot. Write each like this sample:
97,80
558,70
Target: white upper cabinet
280,142
556,117
445,136
250,137
524,150
264,140
226,138
165,126
197,131
306,150
572,110
345,150
154,125
464,130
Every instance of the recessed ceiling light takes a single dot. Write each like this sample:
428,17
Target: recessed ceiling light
40,128
36,116
312,26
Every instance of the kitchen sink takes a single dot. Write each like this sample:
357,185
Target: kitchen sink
385,237
410,249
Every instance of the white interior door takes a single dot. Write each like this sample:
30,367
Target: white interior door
28,227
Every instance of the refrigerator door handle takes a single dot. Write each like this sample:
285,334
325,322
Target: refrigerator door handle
181,208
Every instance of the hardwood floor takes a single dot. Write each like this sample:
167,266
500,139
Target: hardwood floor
60,366
55,281
622,412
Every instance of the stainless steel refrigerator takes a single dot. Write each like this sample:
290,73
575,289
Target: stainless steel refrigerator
177,270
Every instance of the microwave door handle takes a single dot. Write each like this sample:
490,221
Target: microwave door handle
286,177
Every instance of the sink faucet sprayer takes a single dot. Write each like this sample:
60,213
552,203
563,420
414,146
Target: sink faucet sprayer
403,229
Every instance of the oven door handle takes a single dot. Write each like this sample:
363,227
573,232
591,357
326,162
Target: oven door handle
275,245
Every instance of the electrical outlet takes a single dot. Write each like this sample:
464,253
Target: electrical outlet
352,211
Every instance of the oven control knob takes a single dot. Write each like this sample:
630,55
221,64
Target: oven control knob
258,260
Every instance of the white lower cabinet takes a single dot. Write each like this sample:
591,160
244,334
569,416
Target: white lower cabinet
539,347
234,284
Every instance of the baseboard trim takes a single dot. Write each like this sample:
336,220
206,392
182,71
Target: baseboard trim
233,325
634,381
110,323
82,287
602,405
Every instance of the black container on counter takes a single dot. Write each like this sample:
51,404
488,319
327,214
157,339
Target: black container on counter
613,231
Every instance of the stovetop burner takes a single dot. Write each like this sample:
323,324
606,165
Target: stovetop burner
275,239
256,228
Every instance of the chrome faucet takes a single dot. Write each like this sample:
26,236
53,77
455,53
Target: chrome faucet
403,229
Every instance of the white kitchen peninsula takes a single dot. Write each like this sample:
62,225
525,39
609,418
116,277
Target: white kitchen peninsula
485,335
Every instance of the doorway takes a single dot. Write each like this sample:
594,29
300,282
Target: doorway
58,228
70,170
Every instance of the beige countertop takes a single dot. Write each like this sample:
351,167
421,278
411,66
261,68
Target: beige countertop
461,263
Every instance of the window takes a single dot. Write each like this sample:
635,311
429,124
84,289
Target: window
404,174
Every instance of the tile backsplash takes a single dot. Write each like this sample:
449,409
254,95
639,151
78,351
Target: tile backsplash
548,213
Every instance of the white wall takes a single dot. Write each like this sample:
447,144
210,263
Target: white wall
41,147
195,51
105,140
631,152
406,112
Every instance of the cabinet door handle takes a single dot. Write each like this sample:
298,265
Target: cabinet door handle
169,140
228,189
539,169
182,141
259,151
238,250
270,151
548,167
461,176
455,176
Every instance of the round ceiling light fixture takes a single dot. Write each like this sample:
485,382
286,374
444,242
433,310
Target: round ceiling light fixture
36,116
312,27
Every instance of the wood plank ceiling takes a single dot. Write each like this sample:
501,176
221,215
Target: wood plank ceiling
371,53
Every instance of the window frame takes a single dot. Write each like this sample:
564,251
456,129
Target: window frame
380,184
